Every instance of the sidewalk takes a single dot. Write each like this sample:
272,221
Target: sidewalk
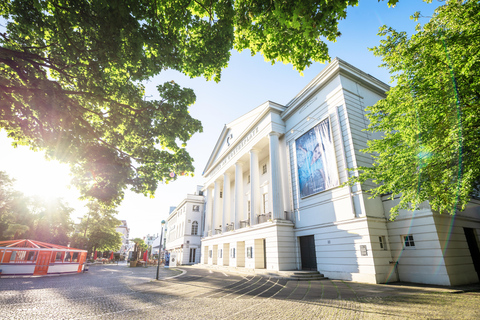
396,286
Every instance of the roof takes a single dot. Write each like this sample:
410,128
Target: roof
25,243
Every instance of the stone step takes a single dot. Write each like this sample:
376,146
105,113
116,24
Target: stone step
307,277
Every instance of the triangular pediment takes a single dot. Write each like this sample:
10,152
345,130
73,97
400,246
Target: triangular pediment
232,132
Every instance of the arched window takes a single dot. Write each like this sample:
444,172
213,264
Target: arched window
194,228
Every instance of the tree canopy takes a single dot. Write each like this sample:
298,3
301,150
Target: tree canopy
430,118
71,76
23,217
97,230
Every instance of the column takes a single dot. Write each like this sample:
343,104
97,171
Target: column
216,205
238,214
226,201
254,187
208,211
275,187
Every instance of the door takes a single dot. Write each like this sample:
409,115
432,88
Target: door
192,255
307,253
81,261
473,247
43,260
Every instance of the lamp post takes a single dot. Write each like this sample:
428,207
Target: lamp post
160,248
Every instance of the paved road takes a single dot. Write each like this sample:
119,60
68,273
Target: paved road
120,292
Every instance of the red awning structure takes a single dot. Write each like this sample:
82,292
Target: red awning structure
25,243
30,257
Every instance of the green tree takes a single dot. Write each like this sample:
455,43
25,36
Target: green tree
140,247
51,221
24,217
430,119
15,215
71,76
77,240
100,225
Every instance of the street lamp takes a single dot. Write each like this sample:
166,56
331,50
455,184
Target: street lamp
160,248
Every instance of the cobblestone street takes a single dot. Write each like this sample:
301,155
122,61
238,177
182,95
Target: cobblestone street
120,292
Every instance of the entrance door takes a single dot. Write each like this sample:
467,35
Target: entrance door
473,247
192,255
307,252
41,268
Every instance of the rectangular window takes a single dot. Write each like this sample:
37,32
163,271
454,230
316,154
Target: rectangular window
408,242
221,194
59,256
248,179
194,228
220,253
249,252
383,242
265,203
248,208
31,255
210,253
13,256
264,169
232,252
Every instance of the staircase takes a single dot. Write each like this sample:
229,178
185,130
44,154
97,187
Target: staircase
306,275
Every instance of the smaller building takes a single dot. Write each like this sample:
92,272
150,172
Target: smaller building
183,238
125,231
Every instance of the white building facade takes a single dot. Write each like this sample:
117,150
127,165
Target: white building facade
274,198
183,238
124,230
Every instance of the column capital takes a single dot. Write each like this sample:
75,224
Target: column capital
254,150
239,163
274,133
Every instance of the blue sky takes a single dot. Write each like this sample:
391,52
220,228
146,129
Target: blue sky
246,83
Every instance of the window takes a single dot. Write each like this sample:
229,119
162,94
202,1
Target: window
13,256
220,253
194,228
31,255
210,254
221,194
248,179
265,203
249,252
383,242
68,257
196,208
264,169
248,209
408,242
75,257
232,252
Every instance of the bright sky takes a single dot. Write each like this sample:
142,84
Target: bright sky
246,83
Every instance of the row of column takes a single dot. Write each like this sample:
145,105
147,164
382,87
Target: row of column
214,202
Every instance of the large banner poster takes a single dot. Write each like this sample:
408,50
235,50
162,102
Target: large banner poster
317,167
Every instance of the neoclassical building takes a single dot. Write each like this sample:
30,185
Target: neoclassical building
184,229
275,200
